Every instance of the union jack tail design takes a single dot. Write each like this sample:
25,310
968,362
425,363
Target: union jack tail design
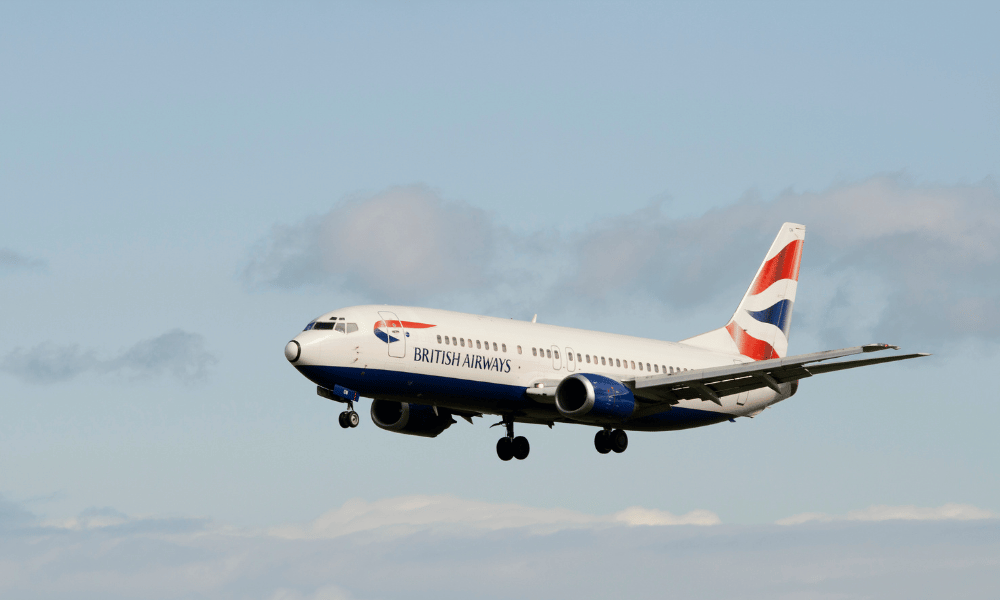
759,328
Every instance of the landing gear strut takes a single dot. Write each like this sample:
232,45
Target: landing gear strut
608,440
349,418
512,447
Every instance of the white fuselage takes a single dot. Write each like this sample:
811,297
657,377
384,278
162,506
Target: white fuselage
482,364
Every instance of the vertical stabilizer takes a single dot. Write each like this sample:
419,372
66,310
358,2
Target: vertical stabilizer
759,327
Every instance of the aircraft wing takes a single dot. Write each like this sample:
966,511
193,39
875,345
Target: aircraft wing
714,382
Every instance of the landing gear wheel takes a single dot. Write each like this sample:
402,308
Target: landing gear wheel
353,419
505,449
618,441
344,422
520,447
601,442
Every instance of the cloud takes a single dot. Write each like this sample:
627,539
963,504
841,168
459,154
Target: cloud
414,513
176,353
457,548
956,512
885,258
404,239
13,261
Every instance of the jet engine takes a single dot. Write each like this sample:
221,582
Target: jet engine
592,398
411,419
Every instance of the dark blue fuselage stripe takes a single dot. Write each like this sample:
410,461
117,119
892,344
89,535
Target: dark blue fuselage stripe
778,314
481,395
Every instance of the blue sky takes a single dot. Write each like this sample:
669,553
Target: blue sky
184,186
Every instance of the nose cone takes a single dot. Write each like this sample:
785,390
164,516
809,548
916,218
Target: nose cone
292,351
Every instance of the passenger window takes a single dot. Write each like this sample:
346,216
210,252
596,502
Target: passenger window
495,347
439,339
656,368
534,351
647,366
602,360
549,352
557,354
461,341
618,362
640,366
479,344
579,358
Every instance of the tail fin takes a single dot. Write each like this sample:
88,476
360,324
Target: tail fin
759,327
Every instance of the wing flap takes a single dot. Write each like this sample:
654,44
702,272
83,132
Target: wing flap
714,382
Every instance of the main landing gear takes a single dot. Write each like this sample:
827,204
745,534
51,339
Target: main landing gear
608,440
349,418
512,447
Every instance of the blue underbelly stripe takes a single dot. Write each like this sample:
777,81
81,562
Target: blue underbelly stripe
477,394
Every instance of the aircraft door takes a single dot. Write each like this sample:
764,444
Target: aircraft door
556,358
391,331
570,360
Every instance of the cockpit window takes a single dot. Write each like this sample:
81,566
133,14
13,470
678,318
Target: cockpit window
352,327
322,325
341,327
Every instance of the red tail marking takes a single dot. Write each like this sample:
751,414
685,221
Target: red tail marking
750,346
784,265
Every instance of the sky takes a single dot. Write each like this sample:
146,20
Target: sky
185,185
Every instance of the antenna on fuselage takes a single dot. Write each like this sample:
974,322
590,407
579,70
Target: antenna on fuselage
534,318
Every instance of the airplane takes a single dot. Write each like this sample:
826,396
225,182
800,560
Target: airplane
423,367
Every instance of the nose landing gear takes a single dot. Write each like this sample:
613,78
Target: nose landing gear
349,418
608,440
512,447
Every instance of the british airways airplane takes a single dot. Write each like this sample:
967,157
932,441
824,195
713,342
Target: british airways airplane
422,367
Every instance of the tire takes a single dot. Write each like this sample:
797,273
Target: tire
601,442
505,449
353,419
619,441
521,447
343,420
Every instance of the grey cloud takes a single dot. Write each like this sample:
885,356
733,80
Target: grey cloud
884,258
404,240
177,353
103,554
11,261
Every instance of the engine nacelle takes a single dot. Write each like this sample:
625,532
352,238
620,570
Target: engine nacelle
594,399
411,419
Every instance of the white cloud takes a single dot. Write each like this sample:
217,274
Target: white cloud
956,512
636,515
404,240
884,259
407,514
177,353
447,547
